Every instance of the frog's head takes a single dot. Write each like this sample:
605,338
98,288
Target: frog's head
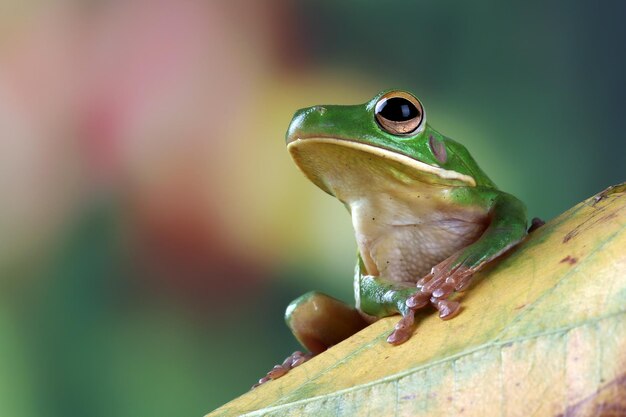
387,137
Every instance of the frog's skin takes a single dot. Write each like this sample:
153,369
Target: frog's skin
426,217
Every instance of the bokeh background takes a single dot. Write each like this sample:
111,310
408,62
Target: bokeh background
152,226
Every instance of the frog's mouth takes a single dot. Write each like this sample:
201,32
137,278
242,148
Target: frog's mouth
334,164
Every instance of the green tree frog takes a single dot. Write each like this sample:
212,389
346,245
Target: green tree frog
425,216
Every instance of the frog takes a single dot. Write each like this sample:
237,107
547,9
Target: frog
426,217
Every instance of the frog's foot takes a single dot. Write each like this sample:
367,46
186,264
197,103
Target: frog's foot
535,224
449,275
438,298
295,359
404,328
435,288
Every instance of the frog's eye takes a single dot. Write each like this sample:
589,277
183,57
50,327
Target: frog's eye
398,113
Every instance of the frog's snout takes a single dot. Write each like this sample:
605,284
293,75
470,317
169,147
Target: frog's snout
302,122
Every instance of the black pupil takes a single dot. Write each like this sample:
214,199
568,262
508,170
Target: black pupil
398,109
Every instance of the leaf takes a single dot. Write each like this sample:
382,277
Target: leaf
542,333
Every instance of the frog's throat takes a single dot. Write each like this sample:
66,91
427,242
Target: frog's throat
393,156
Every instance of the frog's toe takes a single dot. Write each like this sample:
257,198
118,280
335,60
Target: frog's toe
444,289
261,382
463,282
397,337
448,279
403,330
277,371
447,308
425,279
295,359
418,300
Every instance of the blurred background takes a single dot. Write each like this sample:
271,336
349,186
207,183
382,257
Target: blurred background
152,225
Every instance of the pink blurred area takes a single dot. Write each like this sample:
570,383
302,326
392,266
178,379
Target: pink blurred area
155,105
148,207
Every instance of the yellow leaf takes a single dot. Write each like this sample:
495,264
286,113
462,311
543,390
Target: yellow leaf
542,333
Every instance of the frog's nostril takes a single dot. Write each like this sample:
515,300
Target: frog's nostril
320,109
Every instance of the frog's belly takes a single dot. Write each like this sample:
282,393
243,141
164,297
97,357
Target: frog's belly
404,246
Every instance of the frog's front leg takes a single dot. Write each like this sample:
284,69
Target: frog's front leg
507,227
379,297
318,322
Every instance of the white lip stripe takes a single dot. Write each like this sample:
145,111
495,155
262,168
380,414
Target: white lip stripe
394,156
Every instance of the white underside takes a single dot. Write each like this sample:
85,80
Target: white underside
401,237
